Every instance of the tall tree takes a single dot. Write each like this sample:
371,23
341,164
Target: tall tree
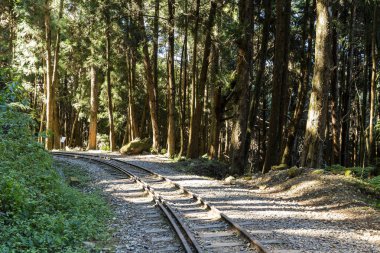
171,81
152,93
317,115
373,87
94,105
346,94
155,47
216,108
108,78
49,79
55,79
253,110
193,145
131,95
280,84
307,39
241,98
183,84
334,92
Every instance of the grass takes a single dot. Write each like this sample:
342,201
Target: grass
39,211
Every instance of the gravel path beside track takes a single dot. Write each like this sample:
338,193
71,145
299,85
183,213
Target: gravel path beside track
280,221
138,225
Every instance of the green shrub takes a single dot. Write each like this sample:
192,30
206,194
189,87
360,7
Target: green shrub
363,172
352,171
318,172
336,169
294,172
282,166
136,147
39,212
375,182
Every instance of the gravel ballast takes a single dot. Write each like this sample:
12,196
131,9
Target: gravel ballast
283,220
138,225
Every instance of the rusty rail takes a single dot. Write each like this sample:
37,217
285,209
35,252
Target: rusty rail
255,244
187,239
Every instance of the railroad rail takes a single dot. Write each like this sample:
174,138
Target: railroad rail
199,226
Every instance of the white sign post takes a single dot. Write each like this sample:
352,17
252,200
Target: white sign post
63,139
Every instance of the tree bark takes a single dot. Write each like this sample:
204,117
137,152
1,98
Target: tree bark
253,110
193,145
49,81
346,98
241,98
171,77
280,84
155,47
373,89
109,86
55,81
335,95
183,86
317,115
216,109
152,93
303,87
131,97
94,101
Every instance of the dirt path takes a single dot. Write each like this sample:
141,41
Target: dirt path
284,219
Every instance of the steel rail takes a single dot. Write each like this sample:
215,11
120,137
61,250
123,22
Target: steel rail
243,232
180,228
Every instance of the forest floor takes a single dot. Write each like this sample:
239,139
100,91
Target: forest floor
309,212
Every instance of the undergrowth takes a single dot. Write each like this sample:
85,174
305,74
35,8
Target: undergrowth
39,212
366,174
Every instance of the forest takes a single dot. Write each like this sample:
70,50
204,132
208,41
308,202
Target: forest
253,83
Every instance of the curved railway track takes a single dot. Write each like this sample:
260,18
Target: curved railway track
199,226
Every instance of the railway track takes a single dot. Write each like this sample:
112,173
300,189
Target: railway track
199,226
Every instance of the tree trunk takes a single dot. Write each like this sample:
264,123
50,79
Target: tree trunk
155,48
335,95
216,110
109,87
241,98
92,143
280,84
253,110
55,81
373,89
346,98
183,86
171,81
303,87
43,113
317,116
196,117
152,93
49,81
193,145
131,101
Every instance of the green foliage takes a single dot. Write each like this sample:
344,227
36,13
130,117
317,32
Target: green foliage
280,167
375,182
294,172
318,172
39,212
136,147
377,131
353,171
204,167
12,95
